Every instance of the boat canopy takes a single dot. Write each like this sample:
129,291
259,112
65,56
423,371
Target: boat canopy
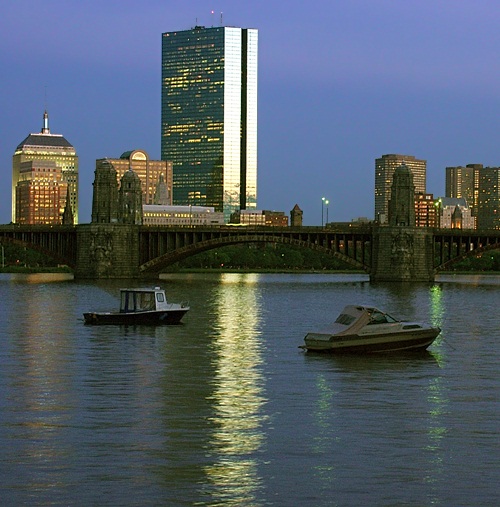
353,318
142,300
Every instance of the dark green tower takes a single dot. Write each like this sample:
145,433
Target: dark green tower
209,116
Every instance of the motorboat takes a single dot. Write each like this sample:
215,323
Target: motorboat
141,306
365,329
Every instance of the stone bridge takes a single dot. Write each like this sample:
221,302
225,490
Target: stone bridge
386,253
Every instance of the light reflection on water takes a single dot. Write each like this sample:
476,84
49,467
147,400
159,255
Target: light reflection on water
237,392
226,410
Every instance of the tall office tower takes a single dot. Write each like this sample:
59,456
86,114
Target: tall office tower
209,116
488,212
41,193
47,147
384,171
464,182
150,172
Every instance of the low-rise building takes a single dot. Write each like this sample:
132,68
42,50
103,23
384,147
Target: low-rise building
155,214
260,217
455,213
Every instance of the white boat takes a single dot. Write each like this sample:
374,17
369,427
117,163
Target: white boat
364,329
141,306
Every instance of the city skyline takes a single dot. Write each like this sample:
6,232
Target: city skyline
339,86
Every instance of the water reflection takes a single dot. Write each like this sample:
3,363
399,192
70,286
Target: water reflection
327,423
37,277
39,362
238,392
437,305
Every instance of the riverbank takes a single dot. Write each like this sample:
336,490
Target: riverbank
65,269
32,270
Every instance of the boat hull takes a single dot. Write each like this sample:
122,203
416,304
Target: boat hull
156,317
351,344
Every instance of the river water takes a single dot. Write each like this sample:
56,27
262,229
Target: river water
226,410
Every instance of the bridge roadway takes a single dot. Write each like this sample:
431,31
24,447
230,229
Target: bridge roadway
149,249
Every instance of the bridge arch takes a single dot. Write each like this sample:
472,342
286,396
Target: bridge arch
471,253
47,251
157,264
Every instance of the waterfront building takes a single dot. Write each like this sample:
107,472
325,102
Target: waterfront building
464,182
154,214
385,167
455,213
425,210
45,147
488,212
267,218
209,116
156,175
41,193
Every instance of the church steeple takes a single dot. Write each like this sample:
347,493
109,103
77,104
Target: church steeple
45,128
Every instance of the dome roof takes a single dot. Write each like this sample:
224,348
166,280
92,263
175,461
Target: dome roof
130,175
403,169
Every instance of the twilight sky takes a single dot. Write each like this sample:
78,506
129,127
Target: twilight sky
341,82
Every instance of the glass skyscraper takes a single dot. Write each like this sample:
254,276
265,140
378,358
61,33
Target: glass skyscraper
209,116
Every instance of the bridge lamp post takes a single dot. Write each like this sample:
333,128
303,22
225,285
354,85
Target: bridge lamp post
323,199
327,202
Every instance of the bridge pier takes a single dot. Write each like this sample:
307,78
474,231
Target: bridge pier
107,251
402,254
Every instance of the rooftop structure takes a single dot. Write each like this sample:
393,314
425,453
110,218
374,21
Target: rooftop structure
47,147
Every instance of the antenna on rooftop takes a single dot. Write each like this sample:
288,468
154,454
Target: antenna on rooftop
221,19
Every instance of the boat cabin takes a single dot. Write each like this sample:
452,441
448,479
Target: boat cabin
142,300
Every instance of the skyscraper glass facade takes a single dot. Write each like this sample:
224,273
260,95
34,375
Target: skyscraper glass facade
488,213
464,182
209,116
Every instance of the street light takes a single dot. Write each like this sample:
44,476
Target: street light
327,202
322,204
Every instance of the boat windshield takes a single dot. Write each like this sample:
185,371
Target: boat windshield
145,301
381,318
132,301
345,319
